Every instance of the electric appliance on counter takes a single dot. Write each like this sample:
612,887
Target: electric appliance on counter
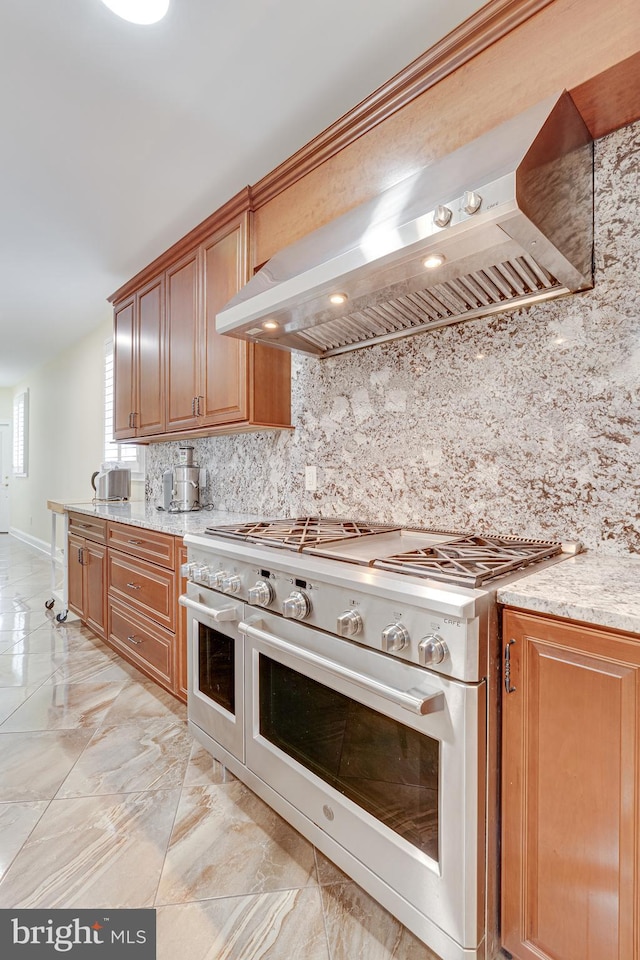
504,221
113,482
181,485
348,673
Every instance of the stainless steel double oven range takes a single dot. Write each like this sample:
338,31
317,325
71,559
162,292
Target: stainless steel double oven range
348,674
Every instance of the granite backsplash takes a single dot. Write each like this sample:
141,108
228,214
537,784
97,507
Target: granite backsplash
527,423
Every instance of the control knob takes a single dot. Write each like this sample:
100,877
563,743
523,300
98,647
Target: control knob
395,637
471,202
349,624
186,569
217,579
442,215
200,573
432,650
231,584
261,593
297,606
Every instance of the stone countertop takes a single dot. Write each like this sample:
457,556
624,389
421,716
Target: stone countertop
597,589
139,514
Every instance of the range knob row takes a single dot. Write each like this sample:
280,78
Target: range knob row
471,203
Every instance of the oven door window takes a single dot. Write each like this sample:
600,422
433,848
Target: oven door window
216,670
390,770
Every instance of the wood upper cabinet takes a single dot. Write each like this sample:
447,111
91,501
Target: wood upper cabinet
174,374
138,358
570,792
183,306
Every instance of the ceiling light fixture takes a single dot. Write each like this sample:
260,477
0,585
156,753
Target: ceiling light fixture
433,260
338,298
270,325
139,11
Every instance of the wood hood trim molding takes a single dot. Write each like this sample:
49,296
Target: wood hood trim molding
488,25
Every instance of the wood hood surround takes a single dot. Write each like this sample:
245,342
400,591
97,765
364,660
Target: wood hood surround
508,56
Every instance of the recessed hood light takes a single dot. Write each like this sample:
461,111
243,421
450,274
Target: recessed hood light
139,11
338,298
433,260
270,325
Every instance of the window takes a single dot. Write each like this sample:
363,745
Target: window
21,434
128,453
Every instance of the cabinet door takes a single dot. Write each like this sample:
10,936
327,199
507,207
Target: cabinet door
94,564
150,409
570,792
223,370
182,343
74,574
124,370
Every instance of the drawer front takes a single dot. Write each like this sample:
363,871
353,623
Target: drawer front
143,642
145,544
84,525
147,588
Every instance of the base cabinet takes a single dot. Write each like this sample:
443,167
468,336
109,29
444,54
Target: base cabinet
570,791
86,572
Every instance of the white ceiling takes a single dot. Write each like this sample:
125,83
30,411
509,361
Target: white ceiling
117,139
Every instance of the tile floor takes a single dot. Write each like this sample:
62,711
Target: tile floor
106,800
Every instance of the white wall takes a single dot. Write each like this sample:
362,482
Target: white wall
6,403
66,404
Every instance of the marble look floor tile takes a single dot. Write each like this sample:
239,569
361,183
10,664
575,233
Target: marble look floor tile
358,928
93,851
328,872
26,620
144,699
17,820
96,665
271,926
13,604
59,640
11,698
33,765
64,706
9,638
203,770
227,842
22,670
131,756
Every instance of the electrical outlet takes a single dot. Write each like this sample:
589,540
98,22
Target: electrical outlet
310,479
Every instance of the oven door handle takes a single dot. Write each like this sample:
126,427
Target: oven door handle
219,614
415,700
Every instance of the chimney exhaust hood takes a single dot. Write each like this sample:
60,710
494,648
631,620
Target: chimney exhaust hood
505,221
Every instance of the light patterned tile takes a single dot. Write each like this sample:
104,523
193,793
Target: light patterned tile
271,926
204,770
144,699
64,706
131,756
227,842
17,820
105,851
358,928
17,670
33,765
95,665
11,698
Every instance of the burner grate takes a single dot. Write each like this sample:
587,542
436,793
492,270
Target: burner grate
470,561
299,532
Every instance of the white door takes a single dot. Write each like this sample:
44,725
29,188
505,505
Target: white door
5,468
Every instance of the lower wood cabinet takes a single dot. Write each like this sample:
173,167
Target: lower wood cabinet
570,791
124,584
86,572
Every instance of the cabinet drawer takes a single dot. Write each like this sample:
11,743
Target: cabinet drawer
140,542
143,642
84,525
139,584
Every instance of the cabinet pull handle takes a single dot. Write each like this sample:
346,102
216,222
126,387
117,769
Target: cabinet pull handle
507,668
193,407
199,398
133,419
132,639
80,555
136,542
134,586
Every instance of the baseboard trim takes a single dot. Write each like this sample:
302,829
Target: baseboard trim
35,542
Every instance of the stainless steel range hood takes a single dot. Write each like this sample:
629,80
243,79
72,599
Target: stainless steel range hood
510,213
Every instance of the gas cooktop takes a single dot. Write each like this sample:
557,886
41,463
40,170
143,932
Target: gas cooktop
446,556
